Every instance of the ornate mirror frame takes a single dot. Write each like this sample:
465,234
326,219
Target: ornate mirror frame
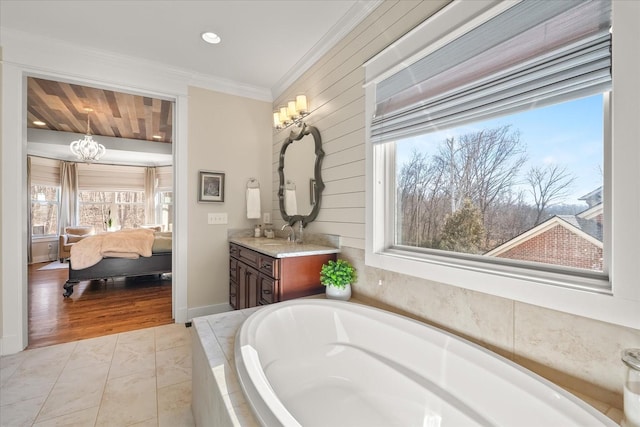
304,131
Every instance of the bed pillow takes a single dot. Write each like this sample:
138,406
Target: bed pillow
161,244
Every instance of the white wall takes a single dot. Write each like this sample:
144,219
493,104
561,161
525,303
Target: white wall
227,134
576,352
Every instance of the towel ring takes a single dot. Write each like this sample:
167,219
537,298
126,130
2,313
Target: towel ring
253,183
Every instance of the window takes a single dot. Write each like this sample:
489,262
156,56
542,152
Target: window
412,95
164,209
525,186
111,209
44,210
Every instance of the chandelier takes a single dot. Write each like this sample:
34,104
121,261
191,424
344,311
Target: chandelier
86,149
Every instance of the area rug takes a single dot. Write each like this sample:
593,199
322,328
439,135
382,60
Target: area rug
55,265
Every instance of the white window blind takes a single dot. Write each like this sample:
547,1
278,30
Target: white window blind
45,171
96,177
164,175
533,54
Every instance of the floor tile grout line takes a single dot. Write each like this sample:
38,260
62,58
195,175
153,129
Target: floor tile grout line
53,386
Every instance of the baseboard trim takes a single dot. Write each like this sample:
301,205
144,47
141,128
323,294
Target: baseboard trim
208,310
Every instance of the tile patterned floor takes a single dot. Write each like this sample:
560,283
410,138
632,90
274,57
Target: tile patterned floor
138,378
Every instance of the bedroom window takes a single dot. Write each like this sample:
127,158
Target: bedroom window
44,210
125,209
164,209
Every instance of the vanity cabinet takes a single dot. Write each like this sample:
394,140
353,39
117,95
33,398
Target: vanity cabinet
259,279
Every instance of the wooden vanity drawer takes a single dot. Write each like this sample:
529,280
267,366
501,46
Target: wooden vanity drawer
248,256
268,289
269,266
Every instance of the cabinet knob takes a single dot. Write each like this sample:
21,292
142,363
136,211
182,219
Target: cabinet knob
266,291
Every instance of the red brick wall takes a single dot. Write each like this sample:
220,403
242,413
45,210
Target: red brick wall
558,246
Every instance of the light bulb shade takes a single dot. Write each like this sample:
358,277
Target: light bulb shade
276,119
87,150
284,117
291,110
301,104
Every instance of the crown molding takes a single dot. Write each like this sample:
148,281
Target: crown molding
72,61
356,14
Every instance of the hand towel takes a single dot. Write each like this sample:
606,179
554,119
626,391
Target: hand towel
290,202
253,203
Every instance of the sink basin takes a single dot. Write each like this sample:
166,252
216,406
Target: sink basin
273,244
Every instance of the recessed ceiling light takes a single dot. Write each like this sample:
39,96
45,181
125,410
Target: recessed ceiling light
210,37
39,123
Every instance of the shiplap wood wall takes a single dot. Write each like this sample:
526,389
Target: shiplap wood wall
334,89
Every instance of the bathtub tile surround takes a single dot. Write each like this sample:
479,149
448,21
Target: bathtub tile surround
138,378
574,352
217,397
551,343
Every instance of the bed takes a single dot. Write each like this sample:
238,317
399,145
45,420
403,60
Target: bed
119,254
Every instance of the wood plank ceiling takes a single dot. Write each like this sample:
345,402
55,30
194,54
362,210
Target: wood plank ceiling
62,107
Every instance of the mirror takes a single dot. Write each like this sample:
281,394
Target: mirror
301,183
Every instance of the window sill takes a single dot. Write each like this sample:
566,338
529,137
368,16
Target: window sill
51,238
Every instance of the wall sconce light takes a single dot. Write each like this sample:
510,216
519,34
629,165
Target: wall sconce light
292,114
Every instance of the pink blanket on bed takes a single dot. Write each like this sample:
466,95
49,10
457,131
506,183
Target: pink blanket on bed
123,244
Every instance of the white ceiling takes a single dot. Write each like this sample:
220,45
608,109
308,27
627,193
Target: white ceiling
264,43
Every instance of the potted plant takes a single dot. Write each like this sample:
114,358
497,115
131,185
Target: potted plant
337,277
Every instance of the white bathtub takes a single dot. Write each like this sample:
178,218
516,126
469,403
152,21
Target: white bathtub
333,363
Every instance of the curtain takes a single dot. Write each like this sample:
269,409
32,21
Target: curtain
29,225
68,210
150,195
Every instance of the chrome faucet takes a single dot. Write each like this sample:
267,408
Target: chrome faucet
291,237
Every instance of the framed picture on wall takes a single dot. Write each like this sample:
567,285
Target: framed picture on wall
210,186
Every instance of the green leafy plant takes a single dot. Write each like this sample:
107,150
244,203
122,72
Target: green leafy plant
337,273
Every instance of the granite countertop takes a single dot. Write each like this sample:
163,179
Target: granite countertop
281,248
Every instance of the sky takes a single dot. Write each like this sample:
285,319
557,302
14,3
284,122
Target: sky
568,134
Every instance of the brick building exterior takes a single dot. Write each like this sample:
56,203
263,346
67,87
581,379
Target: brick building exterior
567,240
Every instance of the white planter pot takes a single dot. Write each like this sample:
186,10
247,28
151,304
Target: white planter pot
337,293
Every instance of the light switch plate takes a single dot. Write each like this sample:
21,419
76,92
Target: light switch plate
217,218
266,217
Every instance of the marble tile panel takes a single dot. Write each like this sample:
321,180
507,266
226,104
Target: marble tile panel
173,365
94,351
9,365
226,324
128,400
239,411
174,335
174,405
575,352
20,413
76,389
85,417
49,360
133,355
27,385
151,422
141,338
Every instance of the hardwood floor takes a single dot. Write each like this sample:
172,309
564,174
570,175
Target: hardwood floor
95,308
